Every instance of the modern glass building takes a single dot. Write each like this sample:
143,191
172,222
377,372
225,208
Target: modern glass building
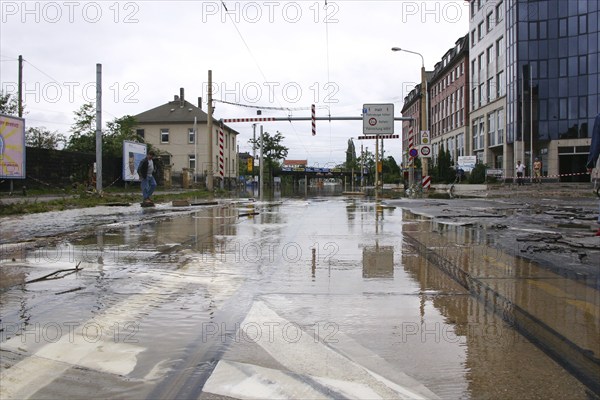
553,82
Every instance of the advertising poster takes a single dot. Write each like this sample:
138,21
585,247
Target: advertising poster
12,147
467,163
133,154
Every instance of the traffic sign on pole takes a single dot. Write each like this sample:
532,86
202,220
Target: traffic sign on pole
378,119
425,138
425,151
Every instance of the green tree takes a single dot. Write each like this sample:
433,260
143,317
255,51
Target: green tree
83,130
443,171
351,156
367,160
83,138
273,151
117,131
9,104
42,138
477,174
391,170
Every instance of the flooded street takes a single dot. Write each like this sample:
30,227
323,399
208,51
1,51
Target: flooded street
311,298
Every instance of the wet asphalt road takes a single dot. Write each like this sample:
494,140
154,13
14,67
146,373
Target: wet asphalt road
317,298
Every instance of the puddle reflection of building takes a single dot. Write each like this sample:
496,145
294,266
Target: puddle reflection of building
378,261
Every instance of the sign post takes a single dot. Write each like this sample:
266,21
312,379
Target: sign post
378,119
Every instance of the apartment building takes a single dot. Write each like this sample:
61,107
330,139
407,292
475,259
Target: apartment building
449,102
170,128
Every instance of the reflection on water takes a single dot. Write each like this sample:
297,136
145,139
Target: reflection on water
338,269
378,262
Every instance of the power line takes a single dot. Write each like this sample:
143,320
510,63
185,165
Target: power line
268,108
259,68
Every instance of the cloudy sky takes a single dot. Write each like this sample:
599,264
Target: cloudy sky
264,54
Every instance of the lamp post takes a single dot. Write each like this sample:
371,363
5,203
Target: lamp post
424,105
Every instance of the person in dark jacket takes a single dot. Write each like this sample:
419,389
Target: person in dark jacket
146,170
594,157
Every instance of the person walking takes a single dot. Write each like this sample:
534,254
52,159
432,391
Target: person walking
146,171
520,172
593,160
537,170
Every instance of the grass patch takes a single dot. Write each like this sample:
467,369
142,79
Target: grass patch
86,200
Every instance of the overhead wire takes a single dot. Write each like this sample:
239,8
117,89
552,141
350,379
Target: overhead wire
328,71
261,71
57,82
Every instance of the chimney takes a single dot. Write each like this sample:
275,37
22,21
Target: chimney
176,98
200,103
181,98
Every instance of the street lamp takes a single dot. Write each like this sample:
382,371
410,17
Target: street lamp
424,107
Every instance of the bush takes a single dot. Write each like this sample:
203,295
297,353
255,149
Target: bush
477,174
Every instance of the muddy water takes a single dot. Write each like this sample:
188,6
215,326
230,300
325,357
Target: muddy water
310,298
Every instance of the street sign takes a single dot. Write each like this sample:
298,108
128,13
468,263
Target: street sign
425,138
425,151
413,152
378,119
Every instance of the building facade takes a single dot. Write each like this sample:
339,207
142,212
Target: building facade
411,109
449,102
553,81
487,84
170,128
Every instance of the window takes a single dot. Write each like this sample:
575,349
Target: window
491,129
489,22
481,100
192,162
562,67
480,31
489,55
533,30
500,84
582,24
164,135
472,8
582,65
500,47
191,136
490,89
140,133
473,38
499,12
500,126
562,27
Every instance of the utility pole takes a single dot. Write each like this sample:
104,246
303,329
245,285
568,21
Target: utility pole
195,150
99,129
261,169
20,100
376,166
362,167
209,127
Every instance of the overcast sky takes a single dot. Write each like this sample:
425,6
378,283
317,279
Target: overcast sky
283,54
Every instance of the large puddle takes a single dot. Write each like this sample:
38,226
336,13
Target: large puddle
318,298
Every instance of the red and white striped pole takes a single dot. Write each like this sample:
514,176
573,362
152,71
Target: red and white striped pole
221,153
314,120
411,145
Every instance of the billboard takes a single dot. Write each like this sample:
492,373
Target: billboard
12,147
133,154
467,163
